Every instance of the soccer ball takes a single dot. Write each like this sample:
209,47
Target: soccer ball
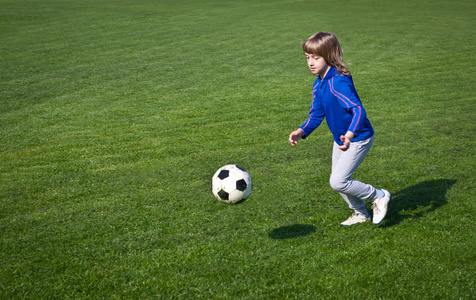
231,184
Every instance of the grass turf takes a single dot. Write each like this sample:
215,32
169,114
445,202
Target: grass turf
115,115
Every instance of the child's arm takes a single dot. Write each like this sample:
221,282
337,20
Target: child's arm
344,91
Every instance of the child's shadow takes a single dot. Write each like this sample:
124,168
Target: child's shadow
417,200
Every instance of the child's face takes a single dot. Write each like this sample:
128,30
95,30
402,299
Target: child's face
316,64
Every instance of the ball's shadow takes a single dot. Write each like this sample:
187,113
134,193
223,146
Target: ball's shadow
292,231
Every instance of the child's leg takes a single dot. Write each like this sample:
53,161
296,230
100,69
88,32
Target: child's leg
355,203
344,164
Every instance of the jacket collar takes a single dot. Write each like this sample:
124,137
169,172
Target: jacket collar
332,72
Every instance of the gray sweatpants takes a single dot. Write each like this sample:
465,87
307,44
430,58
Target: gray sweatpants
344,164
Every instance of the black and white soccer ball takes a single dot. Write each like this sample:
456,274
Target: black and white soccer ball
231,184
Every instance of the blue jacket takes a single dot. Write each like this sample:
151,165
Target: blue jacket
336,99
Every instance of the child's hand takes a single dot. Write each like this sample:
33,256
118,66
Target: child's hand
346,140
295,136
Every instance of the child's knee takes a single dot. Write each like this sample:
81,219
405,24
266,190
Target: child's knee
338,184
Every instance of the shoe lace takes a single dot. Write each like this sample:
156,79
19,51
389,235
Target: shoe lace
375,207
356,216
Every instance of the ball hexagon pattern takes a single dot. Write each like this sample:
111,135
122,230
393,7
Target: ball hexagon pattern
231,184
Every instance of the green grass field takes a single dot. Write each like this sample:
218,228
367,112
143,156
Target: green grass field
115,114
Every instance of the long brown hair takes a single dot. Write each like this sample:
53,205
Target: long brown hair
326,45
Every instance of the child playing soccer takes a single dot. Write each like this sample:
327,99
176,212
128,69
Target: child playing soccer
335,98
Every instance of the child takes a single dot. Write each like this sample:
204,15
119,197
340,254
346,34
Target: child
335,98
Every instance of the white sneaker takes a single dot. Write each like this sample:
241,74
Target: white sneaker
356,218
380,207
